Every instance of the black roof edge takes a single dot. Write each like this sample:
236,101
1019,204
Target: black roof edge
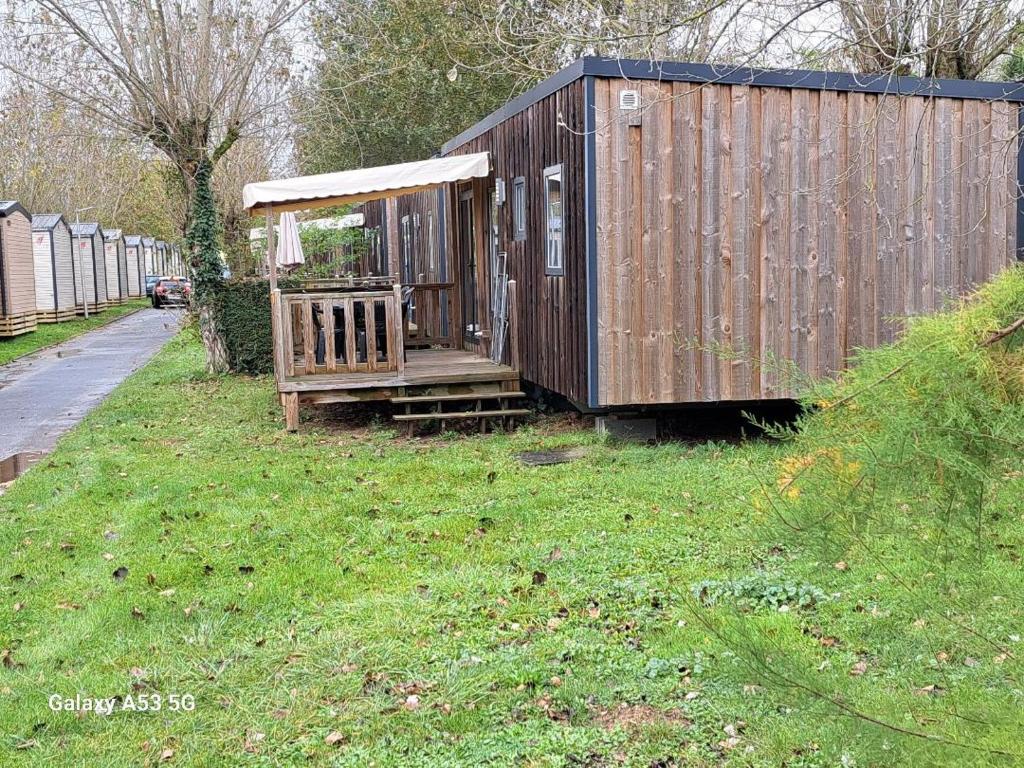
545,88
15,207
686,72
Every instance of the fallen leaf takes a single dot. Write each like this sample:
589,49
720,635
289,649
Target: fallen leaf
334,737
859,668
69,606
971,662
412,702
692,695
107,556
166,755
841,565
929,690
167,593
18,607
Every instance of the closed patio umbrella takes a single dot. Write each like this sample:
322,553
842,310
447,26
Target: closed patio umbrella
289,247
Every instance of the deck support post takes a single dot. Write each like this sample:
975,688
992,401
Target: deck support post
394,249
271,248
291,410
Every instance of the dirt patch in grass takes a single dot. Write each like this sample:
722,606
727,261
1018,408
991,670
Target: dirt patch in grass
633,717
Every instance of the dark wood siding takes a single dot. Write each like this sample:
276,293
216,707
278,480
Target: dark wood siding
786,224
552,317
426,253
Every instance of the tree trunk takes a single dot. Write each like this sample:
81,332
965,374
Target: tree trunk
207,269
213,342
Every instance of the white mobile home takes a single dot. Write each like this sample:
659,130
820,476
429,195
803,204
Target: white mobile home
117,265
17,280
161,257
87,241
149,254
136,265
56,289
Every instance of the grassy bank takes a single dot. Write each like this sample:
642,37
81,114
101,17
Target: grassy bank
49,334
346,597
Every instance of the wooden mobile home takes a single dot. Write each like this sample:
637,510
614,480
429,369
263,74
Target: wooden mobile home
90,260
655,215
17,271
54,268
136,265
149,255
116,263
617,228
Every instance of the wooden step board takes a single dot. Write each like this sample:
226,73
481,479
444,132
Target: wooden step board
445,415
463,397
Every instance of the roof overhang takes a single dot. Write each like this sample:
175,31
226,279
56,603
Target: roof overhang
363,184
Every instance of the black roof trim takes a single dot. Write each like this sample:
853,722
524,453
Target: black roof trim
679,71
540,91
7,207
895,85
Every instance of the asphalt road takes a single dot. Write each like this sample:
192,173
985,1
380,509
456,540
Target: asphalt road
45,394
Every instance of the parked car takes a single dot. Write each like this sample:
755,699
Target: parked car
151,281
171,291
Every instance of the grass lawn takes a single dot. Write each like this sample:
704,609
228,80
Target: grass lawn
348,597
54,333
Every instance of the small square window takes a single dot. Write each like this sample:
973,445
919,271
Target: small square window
553,264
519,208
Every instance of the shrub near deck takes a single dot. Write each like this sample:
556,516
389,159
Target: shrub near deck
344,598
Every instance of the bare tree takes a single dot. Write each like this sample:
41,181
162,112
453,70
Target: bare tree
934,38
190,78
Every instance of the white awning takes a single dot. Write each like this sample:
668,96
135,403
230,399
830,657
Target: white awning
363,184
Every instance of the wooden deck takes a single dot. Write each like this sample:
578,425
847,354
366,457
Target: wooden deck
423,368
333,344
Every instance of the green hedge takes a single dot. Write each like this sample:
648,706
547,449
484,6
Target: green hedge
243,316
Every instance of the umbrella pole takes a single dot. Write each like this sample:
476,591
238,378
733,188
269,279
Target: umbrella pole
271,249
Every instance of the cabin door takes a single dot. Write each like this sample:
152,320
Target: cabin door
467,269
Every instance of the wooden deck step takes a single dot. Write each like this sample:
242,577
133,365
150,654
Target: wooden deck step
463,397
461,415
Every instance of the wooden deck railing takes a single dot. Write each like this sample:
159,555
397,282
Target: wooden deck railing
327,332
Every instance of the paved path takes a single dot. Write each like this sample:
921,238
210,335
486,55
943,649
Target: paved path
46,393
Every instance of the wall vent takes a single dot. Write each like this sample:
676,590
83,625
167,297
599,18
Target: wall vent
629,100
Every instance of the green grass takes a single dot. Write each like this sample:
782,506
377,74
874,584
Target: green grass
307,585
48,334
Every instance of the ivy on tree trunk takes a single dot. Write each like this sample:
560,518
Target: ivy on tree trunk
203,242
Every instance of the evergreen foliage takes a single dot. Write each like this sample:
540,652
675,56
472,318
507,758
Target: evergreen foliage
242,312
903,472
204,238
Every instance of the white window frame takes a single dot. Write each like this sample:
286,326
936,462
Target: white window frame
519,208
431,244
554,247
